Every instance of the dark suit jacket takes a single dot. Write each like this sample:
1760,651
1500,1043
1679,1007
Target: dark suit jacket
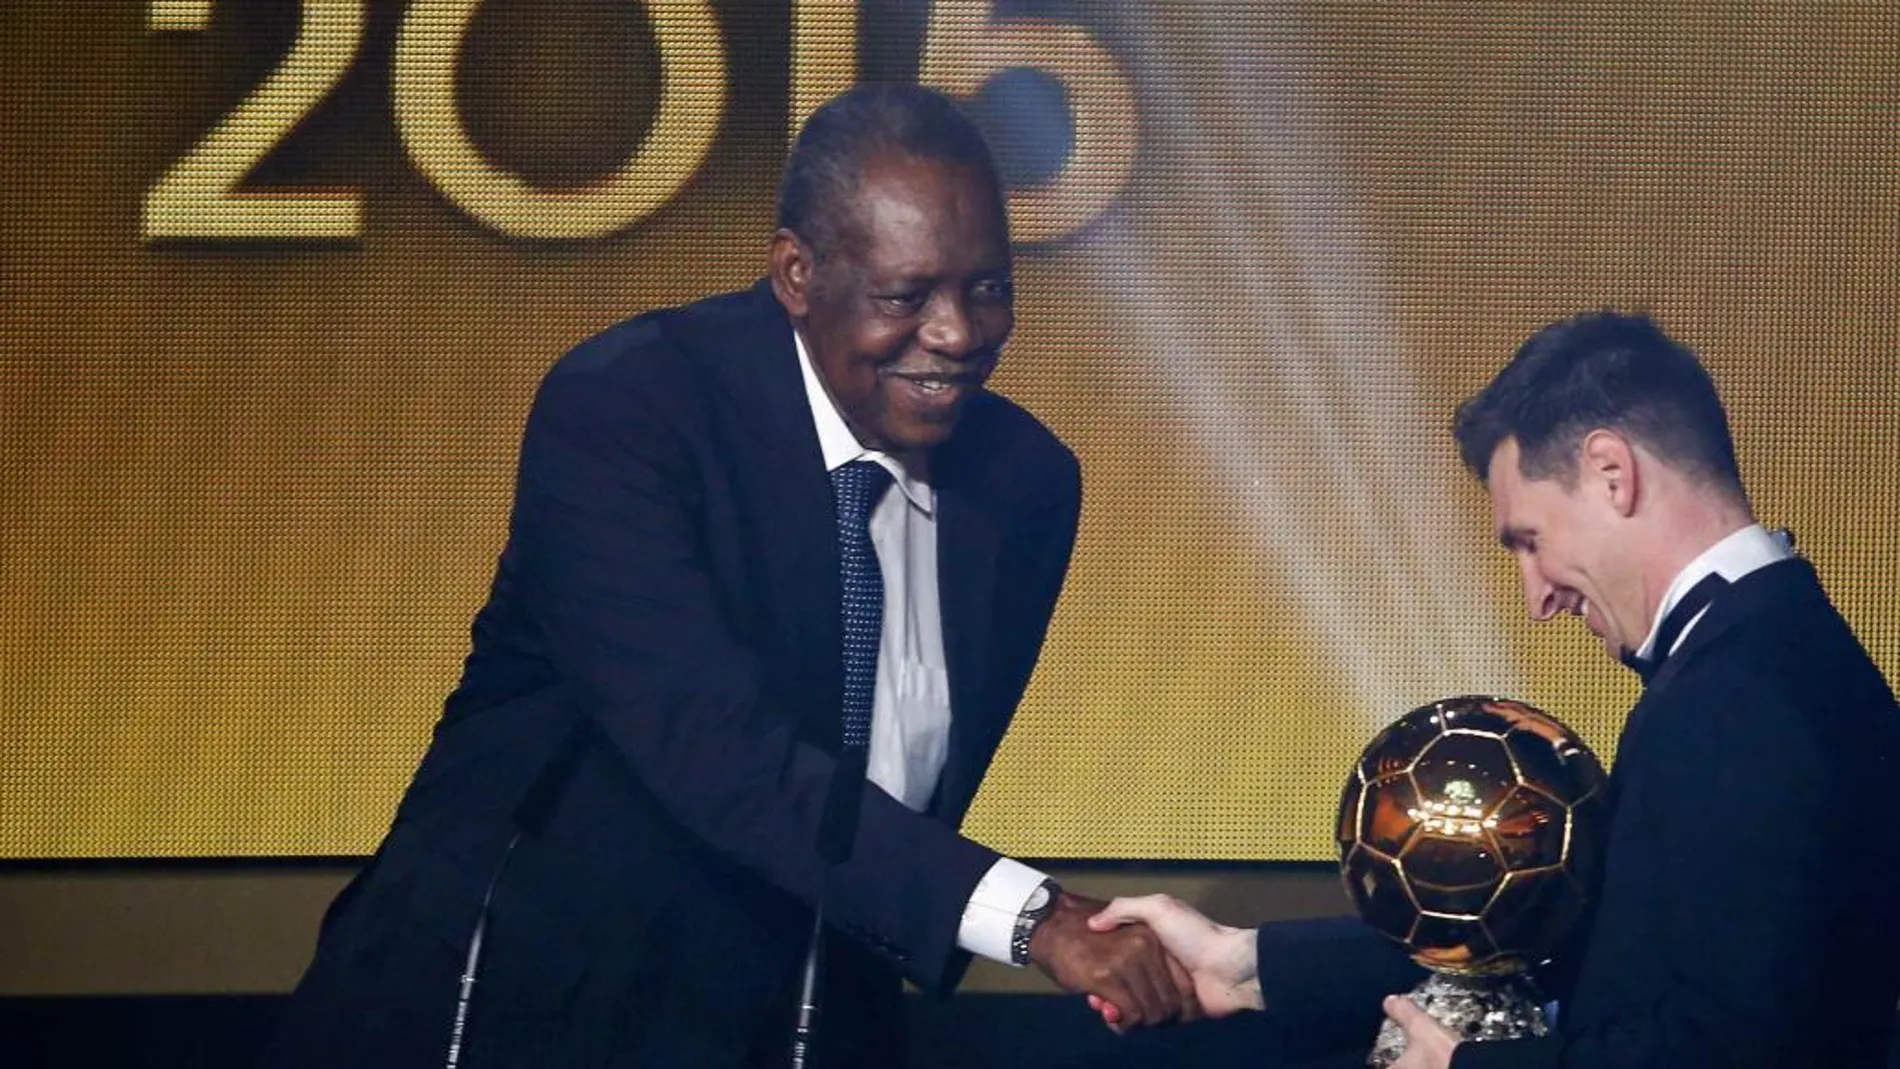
1747,915
653,701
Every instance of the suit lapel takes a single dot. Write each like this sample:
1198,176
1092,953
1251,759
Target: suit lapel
1769,588
783,497
779,481
968,539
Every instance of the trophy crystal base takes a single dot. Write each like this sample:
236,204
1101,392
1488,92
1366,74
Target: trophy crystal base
1473,1007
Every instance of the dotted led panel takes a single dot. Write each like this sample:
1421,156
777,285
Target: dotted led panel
260,391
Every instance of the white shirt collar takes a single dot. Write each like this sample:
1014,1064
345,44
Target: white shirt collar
1744,551
841,447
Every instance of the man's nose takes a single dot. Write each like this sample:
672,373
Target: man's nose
1540,597
949,329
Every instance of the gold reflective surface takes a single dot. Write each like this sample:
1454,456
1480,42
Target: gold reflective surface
1470,832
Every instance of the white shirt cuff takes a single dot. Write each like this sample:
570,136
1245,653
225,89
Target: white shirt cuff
989,920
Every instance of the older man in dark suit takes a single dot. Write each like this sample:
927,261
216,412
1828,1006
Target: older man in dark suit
1747,912
778,570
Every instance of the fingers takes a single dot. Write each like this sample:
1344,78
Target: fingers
1428,1044
1132,971
1160,989
1136,981
1184,987
1191,1009
1177,985
1404,1012
1109,951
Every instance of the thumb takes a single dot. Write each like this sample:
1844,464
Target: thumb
1404,1012
1118,913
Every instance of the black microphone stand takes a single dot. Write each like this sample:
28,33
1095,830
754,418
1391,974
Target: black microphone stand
837,827
530,814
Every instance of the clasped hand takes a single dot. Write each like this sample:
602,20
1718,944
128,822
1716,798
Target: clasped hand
1124,966
1222,964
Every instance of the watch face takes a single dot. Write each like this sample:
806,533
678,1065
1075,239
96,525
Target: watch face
1038,899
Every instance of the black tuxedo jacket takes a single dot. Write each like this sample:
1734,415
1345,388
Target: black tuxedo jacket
652,707
1747,912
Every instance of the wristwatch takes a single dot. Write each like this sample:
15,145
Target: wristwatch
1041,903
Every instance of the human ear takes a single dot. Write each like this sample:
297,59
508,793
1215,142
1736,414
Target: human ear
1609,464
789,266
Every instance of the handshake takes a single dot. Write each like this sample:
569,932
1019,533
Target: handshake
1155,959
1145,961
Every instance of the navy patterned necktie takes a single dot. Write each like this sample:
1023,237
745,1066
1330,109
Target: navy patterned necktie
856,487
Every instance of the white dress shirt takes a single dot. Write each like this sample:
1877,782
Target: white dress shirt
1744,551
910,705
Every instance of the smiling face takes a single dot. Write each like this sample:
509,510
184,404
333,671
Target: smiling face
1564,541
905,318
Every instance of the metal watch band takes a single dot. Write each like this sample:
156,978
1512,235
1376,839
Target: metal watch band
1026,922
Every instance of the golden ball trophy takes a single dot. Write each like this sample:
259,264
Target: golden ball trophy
1471,833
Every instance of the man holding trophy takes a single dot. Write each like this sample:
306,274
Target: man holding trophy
1745,913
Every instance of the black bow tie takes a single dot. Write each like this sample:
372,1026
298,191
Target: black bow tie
1693,602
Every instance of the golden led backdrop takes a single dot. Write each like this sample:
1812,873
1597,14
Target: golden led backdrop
279,280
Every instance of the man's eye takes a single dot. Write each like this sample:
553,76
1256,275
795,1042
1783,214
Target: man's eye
995,290
901,302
